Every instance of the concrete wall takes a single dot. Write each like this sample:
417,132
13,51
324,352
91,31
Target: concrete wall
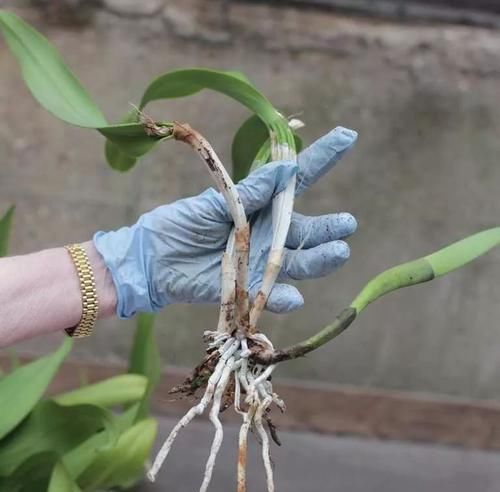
426,102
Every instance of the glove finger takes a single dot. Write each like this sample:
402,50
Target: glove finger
322,155
257,190
307,232
283,298
315,262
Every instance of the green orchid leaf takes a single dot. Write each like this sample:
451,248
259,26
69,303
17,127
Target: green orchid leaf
462,252
5,226
123,464
186,82
248,140
264,155
118,390
414,272
60,92
117,159
128,418
56,88
25,386
239,75
130,138
251,147
432,266
61,481
145,359
182,83
54,427
115,155
78,459
404,275
15,361
33,475
46,75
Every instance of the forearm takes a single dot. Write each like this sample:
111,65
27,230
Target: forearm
40,293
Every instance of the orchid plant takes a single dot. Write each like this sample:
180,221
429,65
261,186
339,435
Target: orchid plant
240,358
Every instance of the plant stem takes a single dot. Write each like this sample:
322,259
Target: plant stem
282,148
404,275
227,188
228,293
340,323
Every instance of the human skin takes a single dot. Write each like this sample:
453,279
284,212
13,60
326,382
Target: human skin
40,293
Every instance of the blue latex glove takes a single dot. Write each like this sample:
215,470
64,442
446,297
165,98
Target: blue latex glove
173,253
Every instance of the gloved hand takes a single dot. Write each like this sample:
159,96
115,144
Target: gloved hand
173,253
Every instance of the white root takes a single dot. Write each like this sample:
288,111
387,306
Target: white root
217,341
242,448
237,395
264,389
194,411
165,449
214,337
278,402
242,378
254,379
230,343
245,351
264,375
266,453
214,418
260,337
257,387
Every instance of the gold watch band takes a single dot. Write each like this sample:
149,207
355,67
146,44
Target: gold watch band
90,304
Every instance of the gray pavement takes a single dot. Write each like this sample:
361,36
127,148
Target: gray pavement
316,463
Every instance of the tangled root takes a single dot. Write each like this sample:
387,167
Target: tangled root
228,372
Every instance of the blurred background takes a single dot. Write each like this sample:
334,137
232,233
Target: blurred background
420,82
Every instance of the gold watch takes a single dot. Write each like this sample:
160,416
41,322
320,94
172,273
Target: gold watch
90,303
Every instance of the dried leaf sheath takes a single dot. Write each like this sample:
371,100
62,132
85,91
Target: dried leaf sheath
228,294
225,185
283,204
